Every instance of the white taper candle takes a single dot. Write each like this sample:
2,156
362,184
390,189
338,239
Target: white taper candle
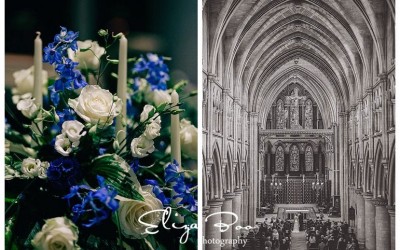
122,88
175,131
37,75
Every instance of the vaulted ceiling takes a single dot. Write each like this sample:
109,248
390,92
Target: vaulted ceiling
258,47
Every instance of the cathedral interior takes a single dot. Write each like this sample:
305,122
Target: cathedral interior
298,108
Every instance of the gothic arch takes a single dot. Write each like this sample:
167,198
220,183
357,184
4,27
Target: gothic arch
237,173
215,181
205,181
358,168
366,167
379,171
228,188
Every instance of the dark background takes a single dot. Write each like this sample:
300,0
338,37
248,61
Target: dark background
167,27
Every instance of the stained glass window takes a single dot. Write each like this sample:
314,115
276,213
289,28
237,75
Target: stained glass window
309,159
279,159
294,158
280,115
309,115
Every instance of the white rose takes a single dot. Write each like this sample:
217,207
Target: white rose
23,82
188,135
87,59
30,167
73,130
130,211
63,145
141,147
96,105
57,233
159,97
27,106
152,130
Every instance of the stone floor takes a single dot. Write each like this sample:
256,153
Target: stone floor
299,241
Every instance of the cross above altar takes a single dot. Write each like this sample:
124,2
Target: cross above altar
294,98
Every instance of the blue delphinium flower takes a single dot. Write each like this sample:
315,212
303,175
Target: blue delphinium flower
158,192
135,165
68,37
92,207
172,172
57,53
63,173
52,55
176,179
66,114
156,71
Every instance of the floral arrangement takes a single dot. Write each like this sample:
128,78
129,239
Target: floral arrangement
91,169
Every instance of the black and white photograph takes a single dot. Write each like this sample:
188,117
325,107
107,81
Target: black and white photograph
298,117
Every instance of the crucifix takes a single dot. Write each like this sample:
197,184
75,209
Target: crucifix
294,99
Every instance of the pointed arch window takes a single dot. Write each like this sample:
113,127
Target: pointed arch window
309,115
279,159
294,158
309,159
280,115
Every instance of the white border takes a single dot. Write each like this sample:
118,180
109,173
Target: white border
199,125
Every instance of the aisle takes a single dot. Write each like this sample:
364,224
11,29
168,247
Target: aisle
299,241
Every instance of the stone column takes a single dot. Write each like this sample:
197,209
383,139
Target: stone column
382,224
205,213
392,211
227,218
244,218
213,233
370,236
253,154
360,218
236,209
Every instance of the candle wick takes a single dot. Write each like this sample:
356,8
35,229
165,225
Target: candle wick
38,34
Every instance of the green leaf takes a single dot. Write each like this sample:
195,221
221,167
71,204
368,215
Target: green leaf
109,166
113,61
160,108
180,86
177,111
133,59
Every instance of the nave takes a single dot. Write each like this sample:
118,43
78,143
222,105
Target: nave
298,108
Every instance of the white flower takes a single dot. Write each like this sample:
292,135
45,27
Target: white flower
57,233
30,167
42,173
145,113
87,59
10,173
27,106
188,135
63,145
73,130
23,82
141,147
152,130
96,105
130,211
159,97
